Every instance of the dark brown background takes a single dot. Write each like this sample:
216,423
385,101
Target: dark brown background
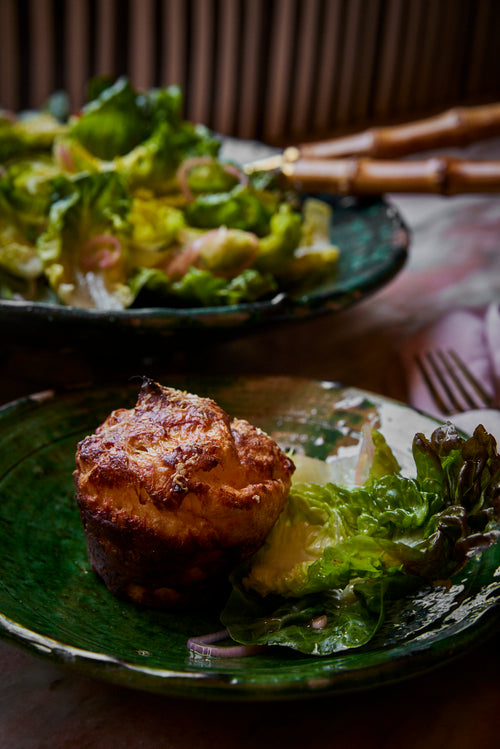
276,70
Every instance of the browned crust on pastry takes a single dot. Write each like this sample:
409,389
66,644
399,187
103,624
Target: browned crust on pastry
173,494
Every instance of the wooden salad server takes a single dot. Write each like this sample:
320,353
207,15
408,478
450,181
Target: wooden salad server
370,162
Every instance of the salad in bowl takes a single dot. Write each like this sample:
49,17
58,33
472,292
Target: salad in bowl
126,200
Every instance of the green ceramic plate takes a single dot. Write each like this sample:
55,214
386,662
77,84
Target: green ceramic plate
374,244
53,605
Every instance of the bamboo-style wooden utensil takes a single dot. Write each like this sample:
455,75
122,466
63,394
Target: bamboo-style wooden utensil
370,162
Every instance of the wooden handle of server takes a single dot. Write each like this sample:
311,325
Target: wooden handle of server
455,127
366,176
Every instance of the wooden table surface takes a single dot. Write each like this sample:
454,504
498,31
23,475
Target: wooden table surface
454,261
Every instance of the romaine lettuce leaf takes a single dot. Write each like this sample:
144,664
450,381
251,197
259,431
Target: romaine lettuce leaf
337,554
154,162
82,248
32,133
140,135
239,208
208,175
113,123
27,187
13,287
201,287
224,252
156,227
18,252
277,247
62,208
71,157
308,267
163,105
248,286
198,286
298,249
319,624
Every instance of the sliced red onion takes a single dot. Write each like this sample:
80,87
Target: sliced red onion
108,253
186,166
64,158
236,172
178,265
204,646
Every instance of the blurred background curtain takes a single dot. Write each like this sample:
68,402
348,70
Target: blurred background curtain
276,70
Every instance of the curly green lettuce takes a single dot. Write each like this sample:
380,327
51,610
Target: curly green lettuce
18,252
140,135
83,246
126,202
27,187
33,133
198,287
338,554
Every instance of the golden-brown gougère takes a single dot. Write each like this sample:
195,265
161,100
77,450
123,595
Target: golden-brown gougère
173,494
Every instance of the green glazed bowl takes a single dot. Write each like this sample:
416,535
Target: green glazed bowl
371,235
54,606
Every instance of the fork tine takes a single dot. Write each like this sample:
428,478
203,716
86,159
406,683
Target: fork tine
455,404
434,392
450,383
457,381
487,400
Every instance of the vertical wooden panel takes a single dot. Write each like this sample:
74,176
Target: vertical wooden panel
429,51
42,51
142,43
388,69
105,37
173,43
461,52
328,72
9,56
351,57
227,86
479,35
249,94
493,79
200,90
281,58
365,64
305,82
446,63
277,70
76,51
410,56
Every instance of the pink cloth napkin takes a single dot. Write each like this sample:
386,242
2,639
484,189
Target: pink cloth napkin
474,333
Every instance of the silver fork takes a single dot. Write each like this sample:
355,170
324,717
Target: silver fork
451,384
